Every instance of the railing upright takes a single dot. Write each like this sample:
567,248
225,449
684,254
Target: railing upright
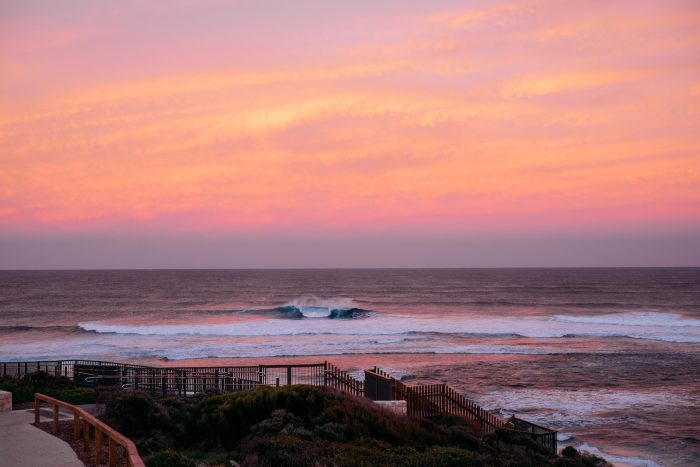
87,422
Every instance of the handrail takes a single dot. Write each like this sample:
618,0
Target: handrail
114,437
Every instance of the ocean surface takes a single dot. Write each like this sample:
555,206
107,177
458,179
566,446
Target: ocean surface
609,357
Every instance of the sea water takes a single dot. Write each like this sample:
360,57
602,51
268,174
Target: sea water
609,357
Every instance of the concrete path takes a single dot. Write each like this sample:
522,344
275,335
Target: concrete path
24,445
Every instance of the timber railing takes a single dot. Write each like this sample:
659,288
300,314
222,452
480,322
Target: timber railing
430,401
339,379
538,433
85,424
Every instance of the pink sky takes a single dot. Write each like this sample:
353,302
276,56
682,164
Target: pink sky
393,126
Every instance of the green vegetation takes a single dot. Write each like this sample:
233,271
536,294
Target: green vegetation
309,426
58,387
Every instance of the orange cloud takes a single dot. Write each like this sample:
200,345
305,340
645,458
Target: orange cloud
482,125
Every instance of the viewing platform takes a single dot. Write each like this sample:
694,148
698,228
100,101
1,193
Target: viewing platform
428,401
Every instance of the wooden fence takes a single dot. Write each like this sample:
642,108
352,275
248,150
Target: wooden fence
85,425
435,400
342,381
430,401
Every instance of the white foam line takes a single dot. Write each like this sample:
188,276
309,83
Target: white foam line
629,460
650,326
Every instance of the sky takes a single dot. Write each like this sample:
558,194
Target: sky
246,134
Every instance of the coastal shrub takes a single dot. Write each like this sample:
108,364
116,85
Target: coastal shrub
572,457
229,418
310,426
284,450
513,447
168,458
58,387
136,414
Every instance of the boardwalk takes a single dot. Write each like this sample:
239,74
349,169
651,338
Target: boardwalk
427,401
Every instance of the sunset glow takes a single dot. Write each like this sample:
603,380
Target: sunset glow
246,118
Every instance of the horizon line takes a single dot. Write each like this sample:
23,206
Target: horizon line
369,268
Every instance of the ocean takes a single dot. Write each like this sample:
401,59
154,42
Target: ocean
608,357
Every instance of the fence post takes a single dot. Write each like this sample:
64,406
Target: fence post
98,445
112,452
289,375
86,433
55,418
325,373
76,426
37,410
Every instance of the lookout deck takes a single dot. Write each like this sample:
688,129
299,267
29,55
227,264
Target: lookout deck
427,401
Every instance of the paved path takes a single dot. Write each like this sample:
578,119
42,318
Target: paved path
24,445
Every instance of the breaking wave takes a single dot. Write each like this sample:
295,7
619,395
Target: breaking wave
320,320
310,306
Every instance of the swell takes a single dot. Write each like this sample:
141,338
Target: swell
300,312
23,329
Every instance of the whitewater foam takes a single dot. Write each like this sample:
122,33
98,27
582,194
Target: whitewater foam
625,460
650,326
583,407
636,318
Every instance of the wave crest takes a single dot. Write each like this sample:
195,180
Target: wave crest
309,306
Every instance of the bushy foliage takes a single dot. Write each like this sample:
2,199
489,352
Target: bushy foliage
572,457
58,387
227,419
305,425
168,458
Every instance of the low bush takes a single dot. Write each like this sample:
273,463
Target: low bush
305,425
58,387
168,458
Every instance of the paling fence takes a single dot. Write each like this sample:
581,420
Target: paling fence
427,401
435,400
188,380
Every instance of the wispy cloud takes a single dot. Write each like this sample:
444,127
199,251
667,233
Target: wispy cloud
500,116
